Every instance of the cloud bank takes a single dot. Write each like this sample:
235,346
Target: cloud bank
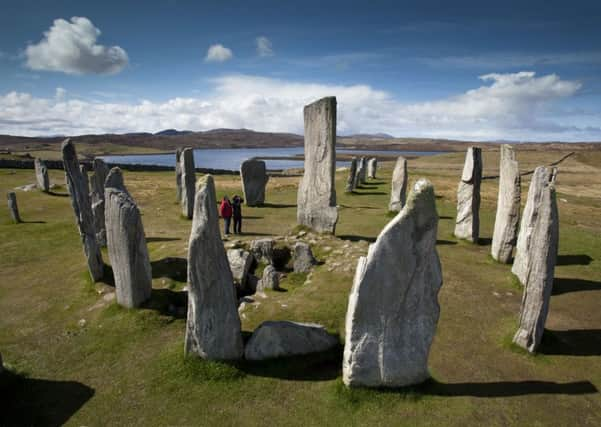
515,106
70,47
218,53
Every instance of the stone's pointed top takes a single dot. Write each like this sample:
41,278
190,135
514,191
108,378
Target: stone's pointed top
115,179
99,163
471,158
507,151
325,100
206,181
68,149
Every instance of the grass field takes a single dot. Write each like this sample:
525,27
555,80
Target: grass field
75,357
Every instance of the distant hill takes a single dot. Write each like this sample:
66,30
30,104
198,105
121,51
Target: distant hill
371,136
173,132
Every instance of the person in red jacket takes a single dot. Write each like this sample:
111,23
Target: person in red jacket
225,211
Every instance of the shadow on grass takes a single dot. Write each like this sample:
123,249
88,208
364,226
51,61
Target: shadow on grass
276,205
171,267
445,217
251,217
573,260
563,286
168,302
506,388
370,193
32,222
161,239
29,401
108,278
445,242
54,193
572,342
354,238
484,241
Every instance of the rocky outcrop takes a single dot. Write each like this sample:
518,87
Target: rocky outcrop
12,207
126,244
539,270
188,181
263,250
41,175
352,174
372,166
254,179
178,174
316,201
398,192
508,207
303,258
77,183
467,224
270,279
101,171
213,325
240,263
284,339
393,305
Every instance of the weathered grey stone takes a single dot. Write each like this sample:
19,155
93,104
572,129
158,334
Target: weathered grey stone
213,325
270,279
352,174
398,192
240,262
316,201
284,339
263,250
508,207
540,269
41,175
372,166
188,182
178,174
13,207
467,224
82,207
361,172
126,243
254,179
393,305
101,171
303,258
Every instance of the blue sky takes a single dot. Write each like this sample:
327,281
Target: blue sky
509,70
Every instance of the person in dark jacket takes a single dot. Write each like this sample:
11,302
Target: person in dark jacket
237,208
225,211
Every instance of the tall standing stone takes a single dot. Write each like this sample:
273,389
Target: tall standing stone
101,171
361,172
254,179
82,207
41,175
12,207
188,180
467,224
350,181
126,243
540,268
398,192
393,305
508,207
178,174
316,201
213,325
372,166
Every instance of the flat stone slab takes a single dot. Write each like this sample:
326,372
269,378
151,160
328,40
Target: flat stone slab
254,179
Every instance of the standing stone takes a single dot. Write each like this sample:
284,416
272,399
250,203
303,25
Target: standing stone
372,166
361,172
467,224
12,207
240,262
398,193
254,179
352,173
41,175
303,258
263,250
316,201
540,269
213,325
188,181
508,207
101,171
126,243
178,174
393,305
270,279
82,207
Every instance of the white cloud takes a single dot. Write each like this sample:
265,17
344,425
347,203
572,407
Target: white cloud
264,46
218,53
70,47
518,106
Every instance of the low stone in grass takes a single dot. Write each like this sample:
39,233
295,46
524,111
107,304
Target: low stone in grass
270,279
303,258
263,250
13,207
240,262
41,175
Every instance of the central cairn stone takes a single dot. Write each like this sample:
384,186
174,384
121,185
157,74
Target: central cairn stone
398,193
126,243
352,173
372,166
467,224
101,171
41,175
178,174
393,306
316,201
254,179
188,181
77,182
508,207
213,325
539,269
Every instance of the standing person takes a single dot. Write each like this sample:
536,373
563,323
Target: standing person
237,208
225,210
